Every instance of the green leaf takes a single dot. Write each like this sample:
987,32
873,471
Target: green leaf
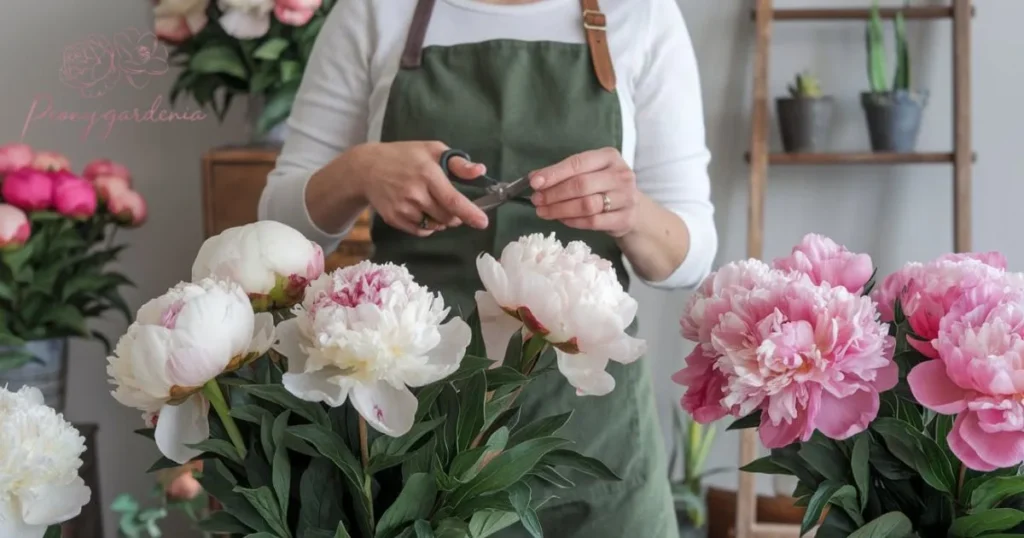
342,532
290,71
332,447
250,413
414,502
584,464
262,499
218,60
471,415
488,522
553,477
16,259
66,317
508,468
390,451
765,465
818,501
860,468
846,498
53,531
890,525
279,105
279,395
452,528
219,447
11,359
520,496
281,467
6,292
162,463
993,491
543,427
996,519
320,491
917,451
752,420
220,483
223,522
271,49
825,458
422,529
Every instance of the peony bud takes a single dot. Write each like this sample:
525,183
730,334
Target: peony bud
296,12
74,197
272,262
106,167
108,186
14,227
28,189
50,161
128,206
15,156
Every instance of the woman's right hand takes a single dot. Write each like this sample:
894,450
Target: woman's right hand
403,183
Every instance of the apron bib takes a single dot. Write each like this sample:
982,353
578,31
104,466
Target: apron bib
517,106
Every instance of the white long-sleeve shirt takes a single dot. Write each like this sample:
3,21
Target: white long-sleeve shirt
342,99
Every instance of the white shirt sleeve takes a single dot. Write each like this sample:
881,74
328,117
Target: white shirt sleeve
330,115
671,162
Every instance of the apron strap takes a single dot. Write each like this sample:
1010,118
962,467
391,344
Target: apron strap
594,24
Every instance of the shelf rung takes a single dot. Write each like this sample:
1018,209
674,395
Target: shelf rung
857,158
838,14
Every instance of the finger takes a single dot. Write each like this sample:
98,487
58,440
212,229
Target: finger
603,222
577,187
590,204
455,203
580,163
463,169
438,216
410,221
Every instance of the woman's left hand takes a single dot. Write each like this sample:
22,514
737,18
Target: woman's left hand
593,190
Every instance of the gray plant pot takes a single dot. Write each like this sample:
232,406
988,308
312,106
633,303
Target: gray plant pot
275,136
48,373
894,119
804,123
686,527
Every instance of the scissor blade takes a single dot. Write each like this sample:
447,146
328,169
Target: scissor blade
501,193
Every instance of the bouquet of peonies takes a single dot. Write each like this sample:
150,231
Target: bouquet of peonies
56,233
230,47
367,411
899,409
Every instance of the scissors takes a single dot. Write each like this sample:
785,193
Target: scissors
498,192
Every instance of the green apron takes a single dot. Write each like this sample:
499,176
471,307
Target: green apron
517,106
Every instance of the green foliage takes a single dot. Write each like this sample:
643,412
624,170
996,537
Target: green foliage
805,86
134,521
876,53
898,478
690,450
51,286
216,67
466,469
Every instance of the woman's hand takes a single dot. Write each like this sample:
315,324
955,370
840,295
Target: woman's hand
593,190
404,184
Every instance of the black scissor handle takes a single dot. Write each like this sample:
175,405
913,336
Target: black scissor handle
447,156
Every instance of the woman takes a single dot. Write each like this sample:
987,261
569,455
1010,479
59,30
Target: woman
601,108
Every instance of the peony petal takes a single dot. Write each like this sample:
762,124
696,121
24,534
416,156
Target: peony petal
181,425
963,450
388,410
445,358
12,525
1001,449
289,341
53,503
262,333
496,326
781,434
586,373
316,386
933,388
848,416
245,24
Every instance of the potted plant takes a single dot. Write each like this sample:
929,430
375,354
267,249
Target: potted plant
230,48
691,448
893,112
56,249
805,117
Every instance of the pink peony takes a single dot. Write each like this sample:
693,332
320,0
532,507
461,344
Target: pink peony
14,157
825,261
28,189
14,227
108,186
74,197
296,12
979,376
129,207
49,161
106,167
788,348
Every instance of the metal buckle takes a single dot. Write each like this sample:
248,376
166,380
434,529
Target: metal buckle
589,14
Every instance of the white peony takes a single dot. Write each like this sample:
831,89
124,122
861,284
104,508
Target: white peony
271,261
567,295
366,333
245,19
40,454
178,342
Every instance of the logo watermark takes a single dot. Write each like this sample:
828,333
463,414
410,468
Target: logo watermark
97,65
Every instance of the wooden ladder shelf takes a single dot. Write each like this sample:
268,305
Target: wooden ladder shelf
764,15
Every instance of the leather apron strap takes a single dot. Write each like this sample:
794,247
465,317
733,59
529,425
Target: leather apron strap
594,24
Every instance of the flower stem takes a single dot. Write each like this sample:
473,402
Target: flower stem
213,393
364,443
532,350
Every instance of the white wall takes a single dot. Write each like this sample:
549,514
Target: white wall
895,213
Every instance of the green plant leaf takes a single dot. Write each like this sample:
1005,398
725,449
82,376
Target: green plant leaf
220,483
846,498
14,358
860,468
977,524
281,467
579,462
223,522
332,447
342,532
752,420
414,502
422,529
542,427
162,463
250,413
279,395
262,499
452,528
991,492
218,60
818,501
765,465
825,458
386,452
520,496
917,451
552,476
279,105
890,525
219,447
488,522
290,71
320,496
508,468
271,49
53,531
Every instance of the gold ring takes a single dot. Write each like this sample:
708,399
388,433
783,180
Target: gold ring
425,222
607,202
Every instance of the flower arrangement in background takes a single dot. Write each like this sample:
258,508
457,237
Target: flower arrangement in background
898,407
56,245
375,414
225,48
176,489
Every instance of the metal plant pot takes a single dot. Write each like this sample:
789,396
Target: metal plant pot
686,527
48,373
894,119
805,123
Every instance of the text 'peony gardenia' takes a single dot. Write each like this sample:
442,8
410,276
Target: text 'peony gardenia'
366,333
566,295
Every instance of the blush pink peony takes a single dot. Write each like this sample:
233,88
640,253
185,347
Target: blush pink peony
825,261
296,12
14,227
28,189
15,156
50,161
105,167
979,376
128,207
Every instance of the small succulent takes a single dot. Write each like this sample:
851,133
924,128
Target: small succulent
805,86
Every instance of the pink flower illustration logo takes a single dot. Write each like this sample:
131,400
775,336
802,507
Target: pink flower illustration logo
140,57
90,66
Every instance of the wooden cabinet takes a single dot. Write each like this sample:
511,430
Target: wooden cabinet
234,177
